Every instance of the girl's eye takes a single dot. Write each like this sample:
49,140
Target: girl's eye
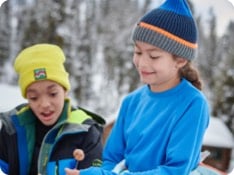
137,52
154,57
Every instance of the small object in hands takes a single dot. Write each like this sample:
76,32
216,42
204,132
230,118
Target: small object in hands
79,154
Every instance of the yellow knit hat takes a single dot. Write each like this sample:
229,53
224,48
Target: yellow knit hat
41,62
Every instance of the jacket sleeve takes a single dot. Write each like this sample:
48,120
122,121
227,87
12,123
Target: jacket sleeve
3,162
92,145
8,144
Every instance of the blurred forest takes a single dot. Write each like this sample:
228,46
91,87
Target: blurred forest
96,38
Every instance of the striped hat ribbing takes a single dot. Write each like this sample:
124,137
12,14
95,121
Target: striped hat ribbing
170,27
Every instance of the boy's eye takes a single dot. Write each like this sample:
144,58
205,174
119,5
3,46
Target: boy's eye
32,98
53,94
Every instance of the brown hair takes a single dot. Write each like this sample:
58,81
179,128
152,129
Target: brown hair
191,74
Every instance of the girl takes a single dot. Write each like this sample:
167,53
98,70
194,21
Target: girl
160,126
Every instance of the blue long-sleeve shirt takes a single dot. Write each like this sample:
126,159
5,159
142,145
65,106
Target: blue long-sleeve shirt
157,133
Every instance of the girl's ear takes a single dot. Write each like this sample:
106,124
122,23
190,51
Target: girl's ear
181,62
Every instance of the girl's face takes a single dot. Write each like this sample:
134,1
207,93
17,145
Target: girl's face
46,99
157,67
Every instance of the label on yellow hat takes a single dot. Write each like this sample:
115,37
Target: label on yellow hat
40,74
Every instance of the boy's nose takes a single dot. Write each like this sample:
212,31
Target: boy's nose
44,102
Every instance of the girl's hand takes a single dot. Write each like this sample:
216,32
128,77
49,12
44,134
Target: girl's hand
72,171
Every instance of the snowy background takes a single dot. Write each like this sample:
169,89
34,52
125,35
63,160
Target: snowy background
95,36
10,97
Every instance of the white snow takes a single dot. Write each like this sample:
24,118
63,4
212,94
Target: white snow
218,134
1,2
10,96
223,9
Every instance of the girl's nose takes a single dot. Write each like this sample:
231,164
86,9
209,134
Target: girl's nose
142,62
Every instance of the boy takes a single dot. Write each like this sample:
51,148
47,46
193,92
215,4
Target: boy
40,137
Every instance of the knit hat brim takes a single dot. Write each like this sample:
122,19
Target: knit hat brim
166,41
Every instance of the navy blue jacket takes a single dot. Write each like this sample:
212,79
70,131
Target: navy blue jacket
75,128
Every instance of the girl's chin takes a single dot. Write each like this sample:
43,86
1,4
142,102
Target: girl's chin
144,81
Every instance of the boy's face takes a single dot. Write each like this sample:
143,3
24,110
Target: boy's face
46,99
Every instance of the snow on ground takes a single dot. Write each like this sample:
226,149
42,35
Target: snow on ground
10,96
218,134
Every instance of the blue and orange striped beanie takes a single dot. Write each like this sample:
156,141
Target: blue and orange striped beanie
170,27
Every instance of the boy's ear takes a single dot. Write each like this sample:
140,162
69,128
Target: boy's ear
66,93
